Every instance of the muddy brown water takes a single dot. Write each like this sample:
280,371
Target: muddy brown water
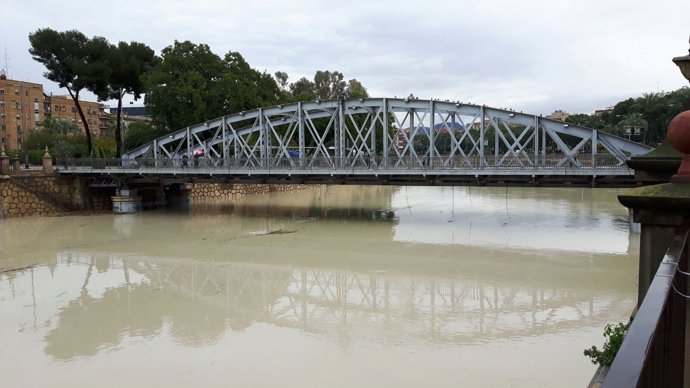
341,286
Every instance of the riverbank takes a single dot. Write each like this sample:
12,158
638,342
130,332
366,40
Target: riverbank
51,195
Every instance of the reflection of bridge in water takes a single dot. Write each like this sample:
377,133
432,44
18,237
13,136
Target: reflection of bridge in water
395,307
376,141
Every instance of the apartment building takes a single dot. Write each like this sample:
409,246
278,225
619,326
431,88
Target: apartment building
24,106
559,115
63,108
21,110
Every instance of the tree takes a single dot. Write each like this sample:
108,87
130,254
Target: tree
282,78
191,84
128,63
302,90
328,84
140,133
74,62
355,89
181,86
633,124
61,137
585,120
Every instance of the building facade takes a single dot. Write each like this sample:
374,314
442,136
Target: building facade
24,107
559,115
21,111
63,108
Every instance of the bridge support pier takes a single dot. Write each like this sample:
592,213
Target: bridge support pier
126,201
177,197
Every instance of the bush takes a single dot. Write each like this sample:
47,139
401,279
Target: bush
614,339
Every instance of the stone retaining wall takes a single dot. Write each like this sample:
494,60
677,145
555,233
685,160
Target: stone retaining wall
18,201
216,191
50,195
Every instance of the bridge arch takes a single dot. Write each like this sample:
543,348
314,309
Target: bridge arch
388,133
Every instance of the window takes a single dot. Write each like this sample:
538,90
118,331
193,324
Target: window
3,127
2,102
19,116
2,115
16,92
74,109
35,100
2,91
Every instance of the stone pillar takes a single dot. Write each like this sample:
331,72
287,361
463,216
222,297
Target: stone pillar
47,162
4,163
659,210
16,164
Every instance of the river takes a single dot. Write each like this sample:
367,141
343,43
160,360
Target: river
341,286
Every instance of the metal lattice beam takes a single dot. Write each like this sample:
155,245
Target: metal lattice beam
387,134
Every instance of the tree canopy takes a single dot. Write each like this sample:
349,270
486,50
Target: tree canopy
651,112
325,85
128,63
75,62
191,84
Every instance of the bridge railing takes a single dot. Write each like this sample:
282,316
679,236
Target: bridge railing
653,352
409,162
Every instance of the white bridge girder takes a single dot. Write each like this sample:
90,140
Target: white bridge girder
386,133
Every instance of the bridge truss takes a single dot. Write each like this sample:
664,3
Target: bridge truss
386,134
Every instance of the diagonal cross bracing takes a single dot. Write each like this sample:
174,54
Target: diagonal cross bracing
391,134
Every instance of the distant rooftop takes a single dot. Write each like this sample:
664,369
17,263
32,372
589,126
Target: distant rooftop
132,111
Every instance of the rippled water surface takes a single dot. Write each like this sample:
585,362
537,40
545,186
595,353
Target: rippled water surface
339,286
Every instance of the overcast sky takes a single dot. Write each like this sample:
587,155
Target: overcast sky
533,56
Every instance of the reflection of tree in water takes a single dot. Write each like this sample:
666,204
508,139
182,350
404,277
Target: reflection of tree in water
88,325
197,302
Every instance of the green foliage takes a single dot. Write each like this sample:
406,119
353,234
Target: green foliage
614,339
326,85
651,111
52,131
104,148
139,133
74,62
61,137
356,90
191,84
128,62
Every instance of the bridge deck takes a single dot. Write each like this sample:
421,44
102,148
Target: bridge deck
534,176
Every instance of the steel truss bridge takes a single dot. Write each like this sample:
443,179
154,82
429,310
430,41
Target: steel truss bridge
378,140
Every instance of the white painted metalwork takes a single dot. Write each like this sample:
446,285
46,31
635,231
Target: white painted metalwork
383,133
